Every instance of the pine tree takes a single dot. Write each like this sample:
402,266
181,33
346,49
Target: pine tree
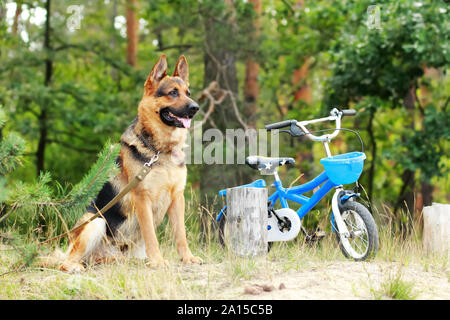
39,207
31,212
11,149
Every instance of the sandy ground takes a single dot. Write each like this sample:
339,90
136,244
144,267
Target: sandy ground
346,280
280,277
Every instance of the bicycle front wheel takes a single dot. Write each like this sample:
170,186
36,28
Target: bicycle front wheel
362,242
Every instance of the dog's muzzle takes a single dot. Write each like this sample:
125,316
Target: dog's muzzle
180,118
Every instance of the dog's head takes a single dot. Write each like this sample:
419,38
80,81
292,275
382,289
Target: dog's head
167,98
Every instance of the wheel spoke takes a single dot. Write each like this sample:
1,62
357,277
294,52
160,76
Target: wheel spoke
358,244
364,240
359,248
358,233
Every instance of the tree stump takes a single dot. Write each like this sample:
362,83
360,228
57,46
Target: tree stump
436,228
246,227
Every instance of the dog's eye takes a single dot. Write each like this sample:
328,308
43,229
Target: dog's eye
188,93
173,93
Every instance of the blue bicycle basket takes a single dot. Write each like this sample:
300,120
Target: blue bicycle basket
344,168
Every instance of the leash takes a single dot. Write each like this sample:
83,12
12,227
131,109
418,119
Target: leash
133,183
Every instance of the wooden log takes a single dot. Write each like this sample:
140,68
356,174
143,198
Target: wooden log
436,228
246,226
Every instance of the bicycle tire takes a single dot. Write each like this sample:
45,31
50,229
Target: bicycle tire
371,228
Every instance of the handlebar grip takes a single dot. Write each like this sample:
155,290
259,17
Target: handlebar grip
278,125
348,112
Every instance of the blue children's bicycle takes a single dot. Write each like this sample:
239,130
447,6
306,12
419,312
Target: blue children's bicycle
353,224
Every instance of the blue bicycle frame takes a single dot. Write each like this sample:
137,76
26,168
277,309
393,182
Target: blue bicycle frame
339,170
294,194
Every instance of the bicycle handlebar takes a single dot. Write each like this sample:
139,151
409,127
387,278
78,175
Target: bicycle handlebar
335,115
279,125
348,112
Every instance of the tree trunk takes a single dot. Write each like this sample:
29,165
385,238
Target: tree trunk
425,98
251,86
113,38
405,200
246,225
132,32
373,143
43,131
427,193
302,91
220,66
16,17
2,11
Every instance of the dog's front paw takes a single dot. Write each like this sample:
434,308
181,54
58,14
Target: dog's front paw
156,262
71,267
191,259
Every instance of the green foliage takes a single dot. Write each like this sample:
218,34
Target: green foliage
425,147
88,188
40,210
93,93
379,69
386,62
11,149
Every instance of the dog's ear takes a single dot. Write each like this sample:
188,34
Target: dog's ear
159,71
182,69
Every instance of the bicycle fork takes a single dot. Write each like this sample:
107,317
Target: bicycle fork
341,226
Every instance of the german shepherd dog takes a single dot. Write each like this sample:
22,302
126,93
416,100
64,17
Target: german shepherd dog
128,228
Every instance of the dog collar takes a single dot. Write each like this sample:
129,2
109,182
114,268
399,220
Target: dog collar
144,139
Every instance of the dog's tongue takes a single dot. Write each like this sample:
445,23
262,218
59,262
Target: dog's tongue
185,121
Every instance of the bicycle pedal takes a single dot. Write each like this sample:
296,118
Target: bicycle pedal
318,235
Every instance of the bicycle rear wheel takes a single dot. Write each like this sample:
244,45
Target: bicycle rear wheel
362,243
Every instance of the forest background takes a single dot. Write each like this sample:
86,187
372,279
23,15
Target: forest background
72,75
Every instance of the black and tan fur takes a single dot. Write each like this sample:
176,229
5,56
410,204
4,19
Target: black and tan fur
128,228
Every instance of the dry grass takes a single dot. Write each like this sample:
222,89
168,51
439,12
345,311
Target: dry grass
399,271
